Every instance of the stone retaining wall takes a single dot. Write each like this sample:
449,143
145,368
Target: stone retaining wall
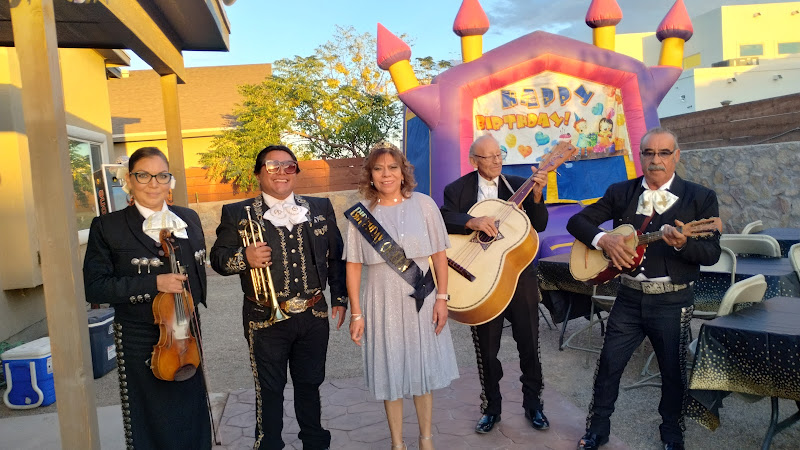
758,182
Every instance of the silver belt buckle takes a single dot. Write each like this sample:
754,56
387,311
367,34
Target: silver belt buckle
295,305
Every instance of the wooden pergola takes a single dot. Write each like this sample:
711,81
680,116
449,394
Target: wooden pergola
157,31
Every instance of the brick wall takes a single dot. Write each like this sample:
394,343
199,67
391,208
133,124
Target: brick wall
765,121
315,176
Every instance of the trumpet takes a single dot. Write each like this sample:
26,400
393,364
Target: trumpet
263,288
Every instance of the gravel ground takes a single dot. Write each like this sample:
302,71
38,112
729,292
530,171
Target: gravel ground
569,372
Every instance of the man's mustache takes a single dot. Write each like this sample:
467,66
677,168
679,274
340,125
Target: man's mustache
654,167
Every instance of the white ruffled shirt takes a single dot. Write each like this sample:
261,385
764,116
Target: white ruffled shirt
487,188
155,221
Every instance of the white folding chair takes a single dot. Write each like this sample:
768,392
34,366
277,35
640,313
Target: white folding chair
794,256
706,308
751,244
749,290
753,227
599,304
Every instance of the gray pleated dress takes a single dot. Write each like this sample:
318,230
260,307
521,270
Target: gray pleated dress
402,354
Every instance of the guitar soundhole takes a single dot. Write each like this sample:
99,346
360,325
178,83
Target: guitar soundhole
485,238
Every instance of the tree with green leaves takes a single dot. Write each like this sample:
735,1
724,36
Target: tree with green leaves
335,103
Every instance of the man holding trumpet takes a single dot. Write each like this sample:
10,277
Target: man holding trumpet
285,248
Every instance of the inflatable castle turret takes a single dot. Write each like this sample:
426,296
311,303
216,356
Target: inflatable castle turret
532,93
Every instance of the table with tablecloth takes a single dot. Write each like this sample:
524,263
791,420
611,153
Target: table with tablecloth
567,298
786,237
755,350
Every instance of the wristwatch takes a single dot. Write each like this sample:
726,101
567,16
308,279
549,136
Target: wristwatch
445,297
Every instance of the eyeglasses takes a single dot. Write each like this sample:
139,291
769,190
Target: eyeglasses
490,157
273,166
144,177
661,153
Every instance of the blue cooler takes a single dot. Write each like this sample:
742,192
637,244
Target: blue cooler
29,375
101,340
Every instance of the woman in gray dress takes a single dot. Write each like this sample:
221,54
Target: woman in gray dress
407,351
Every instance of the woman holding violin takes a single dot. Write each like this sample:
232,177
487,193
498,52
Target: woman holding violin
150,257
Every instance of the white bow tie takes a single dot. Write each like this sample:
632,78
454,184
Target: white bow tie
286,215
658,199
159,220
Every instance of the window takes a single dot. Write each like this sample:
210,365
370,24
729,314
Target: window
86,153
788,47
84,158
751,50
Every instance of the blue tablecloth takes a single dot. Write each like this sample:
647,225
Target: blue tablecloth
786,237
752,351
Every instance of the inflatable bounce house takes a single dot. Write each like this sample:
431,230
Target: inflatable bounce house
530,94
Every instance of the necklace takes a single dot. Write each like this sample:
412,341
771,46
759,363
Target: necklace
395,200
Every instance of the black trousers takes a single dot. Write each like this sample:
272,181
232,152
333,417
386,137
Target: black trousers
301,342
157,414
664,319
523,313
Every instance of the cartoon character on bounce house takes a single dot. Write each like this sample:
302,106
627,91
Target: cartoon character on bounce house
532,93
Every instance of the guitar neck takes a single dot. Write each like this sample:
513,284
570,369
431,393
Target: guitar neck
523,191
649,238
527,186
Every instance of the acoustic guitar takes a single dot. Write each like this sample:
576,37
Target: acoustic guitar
593,266
484,270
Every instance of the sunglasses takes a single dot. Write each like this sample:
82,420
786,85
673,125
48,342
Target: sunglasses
272,166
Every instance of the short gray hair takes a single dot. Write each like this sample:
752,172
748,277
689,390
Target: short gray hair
477,144
660,130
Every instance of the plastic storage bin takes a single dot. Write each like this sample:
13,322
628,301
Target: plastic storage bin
29,375
101,340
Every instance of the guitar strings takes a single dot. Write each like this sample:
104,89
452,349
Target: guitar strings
468,253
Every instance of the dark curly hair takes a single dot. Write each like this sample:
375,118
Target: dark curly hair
365,186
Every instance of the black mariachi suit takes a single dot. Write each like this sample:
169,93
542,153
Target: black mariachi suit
156,413
663,318
522,312
303,261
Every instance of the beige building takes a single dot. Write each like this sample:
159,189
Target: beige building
737,54
84,74
55,128
206,100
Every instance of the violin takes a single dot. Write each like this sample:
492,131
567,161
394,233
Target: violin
177,354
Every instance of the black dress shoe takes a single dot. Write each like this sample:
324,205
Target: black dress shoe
538,419
486,423
673,446
591,441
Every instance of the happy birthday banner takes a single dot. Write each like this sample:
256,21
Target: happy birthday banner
529,117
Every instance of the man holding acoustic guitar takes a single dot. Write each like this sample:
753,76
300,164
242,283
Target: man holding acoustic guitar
656,297
522,311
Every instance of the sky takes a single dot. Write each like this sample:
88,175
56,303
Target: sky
263,31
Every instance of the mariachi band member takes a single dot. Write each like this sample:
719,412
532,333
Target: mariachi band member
126,266
655,299
307,256
523,312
